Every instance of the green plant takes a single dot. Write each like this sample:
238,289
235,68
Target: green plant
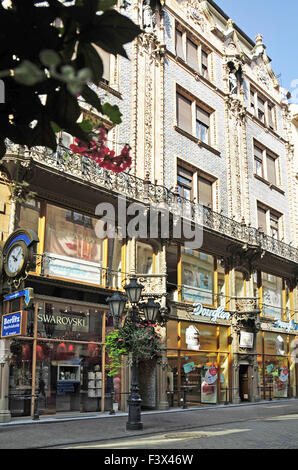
138,338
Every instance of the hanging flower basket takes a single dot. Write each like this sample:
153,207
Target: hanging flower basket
141,339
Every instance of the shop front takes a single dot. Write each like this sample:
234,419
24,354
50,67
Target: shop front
277,363
60,360
198,362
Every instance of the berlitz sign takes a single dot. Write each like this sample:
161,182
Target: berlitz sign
214,315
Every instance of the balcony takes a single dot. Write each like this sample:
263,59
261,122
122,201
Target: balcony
153,195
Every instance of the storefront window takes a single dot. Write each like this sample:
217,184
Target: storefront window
144,258
272,295
224,378
239,284
20,377
275,343
197,276
221,285
293,346
69,322
172,334
114,273
72,246
68,376
28,216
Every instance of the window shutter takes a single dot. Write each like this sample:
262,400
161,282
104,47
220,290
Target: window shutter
205,192
205,59
261,105
258,153
203,116
262,219
192,54
184,113
270,116
179,44
271,173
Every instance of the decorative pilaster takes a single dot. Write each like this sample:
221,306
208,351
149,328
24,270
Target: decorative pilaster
5,354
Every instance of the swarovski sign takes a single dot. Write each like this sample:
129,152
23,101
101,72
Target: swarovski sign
214,315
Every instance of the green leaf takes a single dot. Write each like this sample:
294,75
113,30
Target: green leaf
113,112
91,59
50,58
55,127
104,5
110,31
86,126
91,98
28,73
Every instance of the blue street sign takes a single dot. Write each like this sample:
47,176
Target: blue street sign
27,293
11,324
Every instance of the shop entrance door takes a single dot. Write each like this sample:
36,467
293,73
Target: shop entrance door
244,382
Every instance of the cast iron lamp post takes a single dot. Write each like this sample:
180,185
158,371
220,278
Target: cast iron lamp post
151,309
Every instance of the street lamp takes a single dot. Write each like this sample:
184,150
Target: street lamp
150,308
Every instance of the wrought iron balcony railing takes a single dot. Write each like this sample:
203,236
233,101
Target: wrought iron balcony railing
158,196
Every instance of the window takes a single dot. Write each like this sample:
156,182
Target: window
185,183
194,117
190,50
192,54
73,245
261,108
204,192
266,164
205,64
195,184
271,116
145,258
179,44
202,124
262,222
197,276
268,221
184,113
258,154
271,170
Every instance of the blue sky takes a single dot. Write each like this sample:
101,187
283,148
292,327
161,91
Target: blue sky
277,21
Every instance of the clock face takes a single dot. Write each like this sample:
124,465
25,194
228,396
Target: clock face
15,259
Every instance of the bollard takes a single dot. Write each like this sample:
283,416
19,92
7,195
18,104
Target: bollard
226,402
184,399
112,411
36,413
270,397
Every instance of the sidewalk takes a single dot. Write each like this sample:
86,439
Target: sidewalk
74,416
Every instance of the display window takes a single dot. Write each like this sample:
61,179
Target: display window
72,246
114,274
145,258
272,287
197,276
70,322
277,369
200,364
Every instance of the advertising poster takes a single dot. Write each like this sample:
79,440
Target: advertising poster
246,340
192,338
280,383
209,385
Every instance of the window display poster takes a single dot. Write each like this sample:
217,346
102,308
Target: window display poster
189,367
246,339
209,385
192,338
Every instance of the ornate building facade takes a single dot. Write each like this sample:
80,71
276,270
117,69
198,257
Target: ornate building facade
211,142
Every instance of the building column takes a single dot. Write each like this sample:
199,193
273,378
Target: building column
162,376
5,415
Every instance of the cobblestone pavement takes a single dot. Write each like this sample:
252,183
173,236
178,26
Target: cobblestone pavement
257,424
262,433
